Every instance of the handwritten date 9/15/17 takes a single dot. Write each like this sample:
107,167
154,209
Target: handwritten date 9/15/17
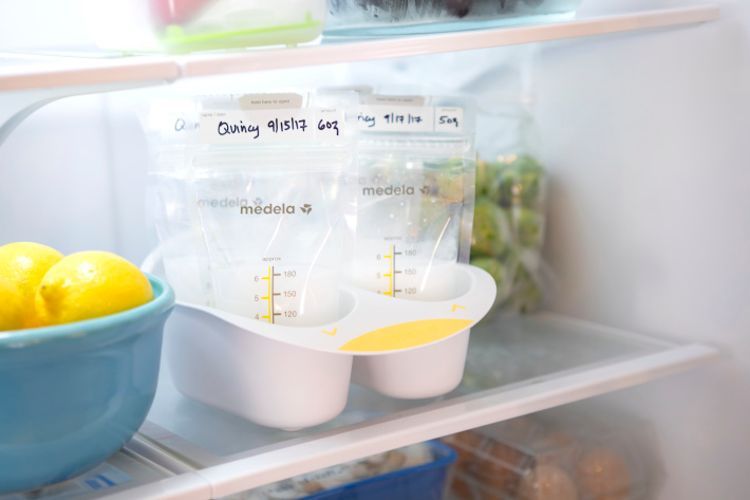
292,124
297,126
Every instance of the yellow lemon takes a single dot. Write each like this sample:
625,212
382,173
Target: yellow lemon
88,285
24,264
11,306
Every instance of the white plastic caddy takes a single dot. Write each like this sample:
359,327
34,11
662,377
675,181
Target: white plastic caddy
294,377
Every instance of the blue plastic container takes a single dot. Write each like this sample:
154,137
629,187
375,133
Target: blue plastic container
380,18
423,482
72,395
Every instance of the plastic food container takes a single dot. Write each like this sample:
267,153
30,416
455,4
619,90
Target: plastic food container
560,455
190,25
417,471
74,394
392,17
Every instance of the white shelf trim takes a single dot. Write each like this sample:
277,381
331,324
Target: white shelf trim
249,61
455,416
35,71
30,81
70,72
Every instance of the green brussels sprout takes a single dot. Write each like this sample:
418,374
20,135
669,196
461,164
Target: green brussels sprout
448,186
494,267
491,235
506,187
514,188
527,163
487,180
527,294
528,227
500,272
446,180
482,178
520,182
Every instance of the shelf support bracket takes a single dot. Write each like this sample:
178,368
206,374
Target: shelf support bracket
16,106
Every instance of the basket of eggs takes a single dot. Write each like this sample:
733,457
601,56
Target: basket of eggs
80,344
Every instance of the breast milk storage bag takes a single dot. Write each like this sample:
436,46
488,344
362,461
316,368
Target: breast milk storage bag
415,173
254,223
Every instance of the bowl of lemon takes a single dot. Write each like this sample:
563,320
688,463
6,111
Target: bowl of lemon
80,343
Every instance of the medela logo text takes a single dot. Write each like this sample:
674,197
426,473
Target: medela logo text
402,190
225,202
260,208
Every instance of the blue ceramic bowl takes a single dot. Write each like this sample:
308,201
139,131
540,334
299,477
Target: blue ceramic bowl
72,395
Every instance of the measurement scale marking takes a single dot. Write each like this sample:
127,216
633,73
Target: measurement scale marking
269,295
390,274
272,312
393,270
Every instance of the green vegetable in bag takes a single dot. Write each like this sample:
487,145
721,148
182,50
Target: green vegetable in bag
491,234
509,222
487,183
500,272
528,227
526,296
520,182
447,183
494,267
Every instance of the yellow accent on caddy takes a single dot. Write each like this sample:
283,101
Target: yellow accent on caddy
405,335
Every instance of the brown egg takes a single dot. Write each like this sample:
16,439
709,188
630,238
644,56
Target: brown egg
557,440
465,444
547,482
488,494
468,440
500,471
461,488
521,428
555,448
603,474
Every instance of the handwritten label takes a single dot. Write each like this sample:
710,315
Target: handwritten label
410,119
264,126
449,119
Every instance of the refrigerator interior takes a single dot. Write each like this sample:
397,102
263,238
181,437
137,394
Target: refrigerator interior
644,136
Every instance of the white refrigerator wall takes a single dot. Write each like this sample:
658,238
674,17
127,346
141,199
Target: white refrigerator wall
645,136
647,139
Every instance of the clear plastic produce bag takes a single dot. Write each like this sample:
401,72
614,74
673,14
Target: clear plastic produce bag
255,199
509,217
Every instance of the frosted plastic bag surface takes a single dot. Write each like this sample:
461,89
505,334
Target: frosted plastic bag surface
255,198
510,213
414,198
